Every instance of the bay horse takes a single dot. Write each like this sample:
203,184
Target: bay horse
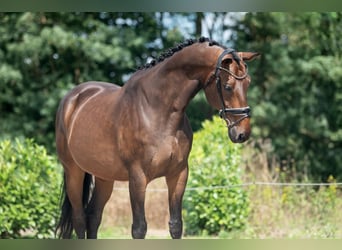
139,132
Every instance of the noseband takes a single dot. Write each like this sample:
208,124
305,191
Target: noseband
243,112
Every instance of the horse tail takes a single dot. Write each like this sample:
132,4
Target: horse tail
64,226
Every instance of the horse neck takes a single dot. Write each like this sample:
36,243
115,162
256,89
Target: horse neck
171,84
195,62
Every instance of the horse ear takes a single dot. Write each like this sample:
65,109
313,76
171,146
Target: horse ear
247,56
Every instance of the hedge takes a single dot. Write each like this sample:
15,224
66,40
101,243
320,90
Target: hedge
29,190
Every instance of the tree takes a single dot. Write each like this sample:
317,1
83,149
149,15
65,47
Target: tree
43,55
296,88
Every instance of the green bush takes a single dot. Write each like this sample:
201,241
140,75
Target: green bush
214,162
29,190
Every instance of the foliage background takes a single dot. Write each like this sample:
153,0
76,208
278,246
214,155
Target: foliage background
43,55
296,90
214,163
29,190
295,93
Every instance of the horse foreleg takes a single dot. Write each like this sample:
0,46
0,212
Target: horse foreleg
137,190
102,192
176,187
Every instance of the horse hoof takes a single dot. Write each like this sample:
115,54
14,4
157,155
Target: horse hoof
176,229
139,232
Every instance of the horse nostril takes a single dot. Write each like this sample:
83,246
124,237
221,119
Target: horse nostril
241,137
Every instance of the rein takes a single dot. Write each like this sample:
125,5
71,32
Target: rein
243,112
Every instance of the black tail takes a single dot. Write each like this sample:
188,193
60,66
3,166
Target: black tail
64,227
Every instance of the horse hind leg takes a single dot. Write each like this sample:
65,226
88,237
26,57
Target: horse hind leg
101,194
77,191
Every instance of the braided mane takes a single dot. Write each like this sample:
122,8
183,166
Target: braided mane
168,53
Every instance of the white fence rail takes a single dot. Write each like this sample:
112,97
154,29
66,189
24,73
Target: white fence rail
279,184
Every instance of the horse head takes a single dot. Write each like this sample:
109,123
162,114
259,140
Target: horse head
226,90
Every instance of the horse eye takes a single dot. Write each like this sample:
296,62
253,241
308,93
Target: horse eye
228,87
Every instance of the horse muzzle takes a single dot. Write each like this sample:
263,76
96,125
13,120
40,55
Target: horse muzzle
239,134
239,129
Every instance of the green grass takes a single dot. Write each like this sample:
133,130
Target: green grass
275,213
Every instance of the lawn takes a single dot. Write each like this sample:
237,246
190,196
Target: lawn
275,213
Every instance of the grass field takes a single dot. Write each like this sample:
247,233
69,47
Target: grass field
276,212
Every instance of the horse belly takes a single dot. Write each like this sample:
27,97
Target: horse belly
103,165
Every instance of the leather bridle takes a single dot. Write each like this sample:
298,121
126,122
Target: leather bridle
243,112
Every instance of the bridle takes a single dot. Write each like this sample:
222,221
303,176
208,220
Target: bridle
243,112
